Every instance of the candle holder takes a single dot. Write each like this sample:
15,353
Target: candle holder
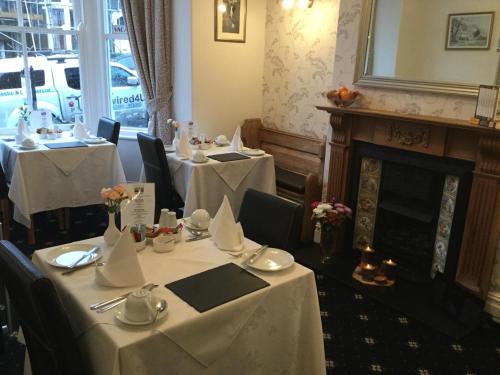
367,255
388,269
368,271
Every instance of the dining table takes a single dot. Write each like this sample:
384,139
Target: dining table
273,330
204,185
43,179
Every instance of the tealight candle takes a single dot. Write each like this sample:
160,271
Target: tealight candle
368,271
389,269
367,255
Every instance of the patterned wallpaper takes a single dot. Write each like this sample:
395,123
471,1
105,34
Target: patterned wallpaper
298,66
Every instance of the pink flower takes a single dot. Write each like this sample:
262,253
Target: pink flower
315,204
120,189
114,195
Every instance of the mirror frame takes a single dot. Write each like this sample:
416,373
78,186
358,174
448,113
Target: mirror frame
364,47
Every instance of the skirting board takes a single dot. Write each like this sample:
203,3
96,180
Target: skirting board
493,306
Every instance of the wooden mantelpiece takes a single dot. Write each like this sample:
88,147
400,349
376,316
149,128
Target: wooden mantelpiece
440,137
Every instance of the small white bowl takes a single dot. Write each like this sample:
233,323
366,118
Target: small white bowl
164,243
140,245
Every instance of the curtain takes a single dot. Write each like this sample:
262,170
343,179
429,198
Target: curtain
148,26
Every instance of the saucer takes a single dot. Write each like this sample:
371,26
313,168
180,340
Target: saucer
189,225
200,162
120,315
28,147
253,152
222,144
169,148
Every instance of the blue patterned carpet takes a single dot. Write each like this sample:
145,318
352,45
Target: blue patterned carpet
361,336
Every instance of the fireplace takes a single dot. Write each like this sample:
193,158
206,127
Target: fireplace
409,207
441,139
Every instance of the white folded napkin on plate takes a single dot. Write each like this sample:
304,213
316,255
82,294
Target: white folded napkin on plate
122,269
80,131
22,131
183,149
236,143
226,233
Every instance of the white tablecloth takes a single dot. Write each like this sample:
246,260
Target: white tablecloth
46,179
276,330
204,185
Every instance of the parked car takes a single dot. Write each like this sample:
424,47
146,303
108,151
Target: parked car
56,80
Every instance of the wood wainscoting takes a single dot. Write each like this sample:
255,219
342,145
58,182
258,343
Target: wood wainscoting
440,137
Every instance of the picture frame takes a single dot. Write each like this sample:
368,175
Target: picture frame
469,31
230,19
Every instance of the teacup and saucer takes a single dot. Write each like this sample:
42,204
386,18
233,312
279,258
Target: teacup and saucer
199,157
141,307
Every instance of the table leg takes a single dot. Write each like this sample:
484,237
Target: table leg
31,231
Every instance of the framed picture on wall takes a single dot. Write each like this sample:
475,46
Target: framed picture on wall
230,20
469,30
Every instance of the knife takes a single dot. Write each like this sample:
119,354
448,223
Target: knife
114,304
87,254
256,255
98,305
198,238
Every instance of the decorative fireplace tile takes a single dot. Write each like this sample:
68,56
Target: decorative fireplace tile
448,202
366,211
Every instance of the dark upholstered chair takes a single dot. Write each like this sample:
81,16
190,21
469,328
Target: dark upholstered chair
109,129
156,170
50,340
269,219
4,205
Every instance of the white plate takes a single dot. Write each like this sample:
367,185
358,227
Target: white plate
120,315
28,148
253,152
94,140
273,260
66,255
169,148
222,144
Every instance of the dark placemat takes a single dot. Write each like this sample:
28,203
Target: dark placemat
66,145
228,157
215,287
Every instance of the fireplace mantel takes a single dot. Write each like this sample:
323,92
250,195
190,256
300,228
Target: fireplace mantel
440,137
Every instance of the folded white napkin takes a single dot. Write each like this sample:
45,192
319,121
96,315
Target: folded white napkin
80,131
183,149
22,131
122,269
236,143
226,233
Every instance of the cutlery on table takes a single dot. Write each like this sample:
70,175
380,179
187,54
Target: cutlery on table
160,307
256,255
98,305
70,271
113,305
86,255
197,238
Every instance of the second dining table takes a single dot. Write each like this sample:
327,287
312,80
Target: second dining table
44,179
204,185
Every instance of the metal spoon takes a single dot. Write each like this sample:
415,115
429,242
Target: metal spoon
159,307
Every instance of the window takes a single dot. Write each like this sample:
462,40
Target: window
72,77
36,38
126,99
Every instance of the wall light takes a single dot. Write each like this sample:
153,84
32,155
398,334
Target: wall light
302,4
222,7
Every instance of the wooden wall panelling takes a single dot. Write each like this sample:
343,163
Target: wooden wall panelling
340,157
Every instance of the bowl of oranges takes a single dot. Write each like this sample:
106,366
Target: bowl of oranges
343,97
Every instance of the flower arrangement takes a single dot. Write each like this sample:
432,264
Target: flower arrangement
24,113
332,214
113,197
166,230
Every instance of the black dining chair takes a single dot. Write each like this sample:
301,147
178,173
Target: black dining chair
156,170
269,219
109,129
5,205
50,340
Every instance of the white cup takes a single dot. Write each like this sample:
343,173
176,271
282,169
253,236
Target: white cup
199,156
200,218
221,139
28,142
138,306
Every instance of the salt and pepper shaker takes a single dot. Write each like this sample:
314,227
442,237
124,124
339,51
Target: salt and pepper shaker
164,219
317,233
171,220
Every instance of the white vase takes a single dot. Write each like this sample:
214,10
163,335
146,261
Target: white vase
112,234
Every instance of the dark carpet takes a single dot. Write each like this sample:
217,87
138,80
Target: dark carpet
361,336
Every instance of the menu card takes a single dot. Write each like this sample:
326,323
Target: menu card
41,119
141,208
